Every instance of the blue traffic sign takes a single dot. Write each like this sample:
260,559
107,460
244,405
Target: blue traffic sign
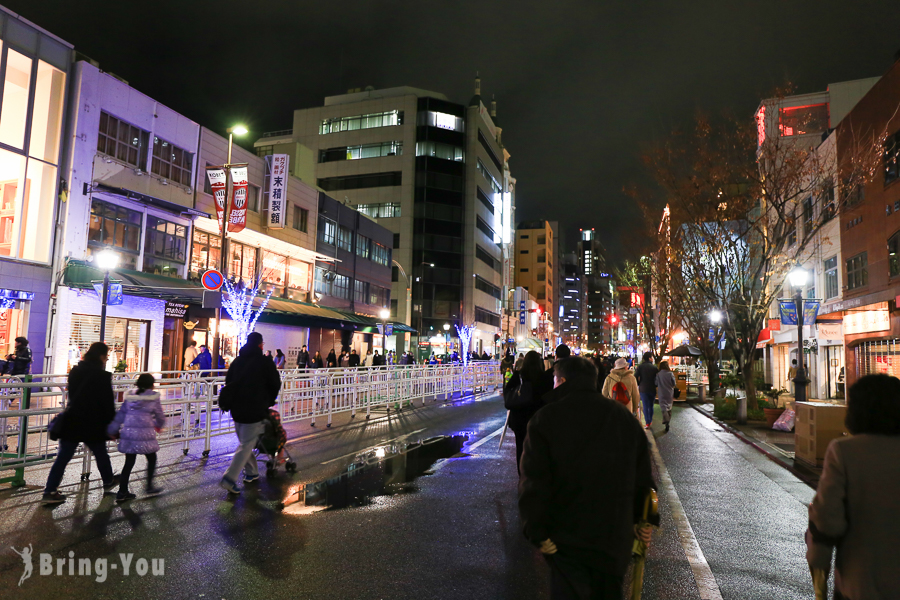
212,280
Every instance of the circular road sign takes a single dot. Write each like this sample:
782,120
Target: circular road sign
212,280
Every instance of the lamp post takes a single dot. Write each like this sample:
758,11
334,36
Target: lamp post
107,260
421,281
226,216
715,317
798,279
447,338
408,319
385,314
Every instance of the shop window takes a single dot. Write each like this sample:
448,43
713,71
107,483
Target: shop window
122,141
171,162
26,207
205,252
894,254
274,272
298,278
858,271
128,341
46,121
116,227
165,247
243,262
14,111
13,319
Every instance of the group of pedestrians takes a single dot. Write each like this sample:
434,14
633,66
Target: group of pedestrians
584,471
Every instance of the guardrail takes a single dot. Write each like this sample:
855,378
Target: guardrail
190,400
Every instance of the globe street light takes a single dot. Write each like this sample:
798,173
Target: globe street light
798,280
385,314
106,260
447,338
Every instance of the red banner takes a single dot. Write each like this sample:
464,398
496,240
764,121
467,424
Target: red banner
217,184
239,186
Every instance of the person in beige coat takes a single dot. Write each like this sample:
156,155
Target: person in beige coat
858,498
622,373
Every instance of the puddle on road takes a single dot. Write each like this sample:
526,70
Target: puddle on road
388,470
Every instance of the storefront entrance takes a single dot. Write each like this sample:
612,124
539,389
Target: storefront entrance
834,369
128,340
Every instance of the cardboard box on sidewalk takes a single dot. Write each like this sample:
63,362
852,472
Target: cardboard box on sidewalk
817,424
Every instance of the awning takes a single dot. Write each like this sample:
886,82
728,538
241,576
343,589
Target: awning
764,339
79,274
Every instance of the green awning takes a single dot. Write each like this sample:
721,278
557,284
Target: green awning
79,274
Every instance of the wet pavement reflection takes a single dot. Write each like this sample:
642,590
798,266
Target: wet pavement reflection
387,470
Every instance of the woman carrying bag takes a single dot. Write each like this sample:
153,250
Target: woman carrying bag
90,410
522,396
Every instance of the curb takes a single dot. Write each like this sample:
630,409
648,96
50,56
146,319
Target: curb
804,477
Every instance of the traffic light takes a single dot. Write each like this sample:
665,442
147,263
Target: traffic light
613,319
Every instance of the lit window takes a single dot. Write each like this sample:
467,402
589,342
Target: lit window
369,121
802,120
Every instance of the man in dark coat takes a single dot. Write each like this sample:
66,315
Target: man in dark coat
257,384
302,358
562,352
21,363
585,473
377,360
646,378
354,358
90,410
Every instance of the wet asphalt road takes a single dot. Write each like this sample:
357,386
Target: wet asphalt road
450,534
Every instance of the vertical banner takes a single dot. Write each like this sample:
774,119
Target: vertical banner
278,174
810,311
216,177
239,185
788,311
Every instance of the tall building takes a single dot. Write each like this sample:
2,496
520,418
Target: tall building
573,291
436,174
35,67
601,297
535,269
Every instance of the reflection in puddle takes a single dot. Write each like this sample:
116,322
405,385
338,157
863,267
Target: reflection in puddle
382,471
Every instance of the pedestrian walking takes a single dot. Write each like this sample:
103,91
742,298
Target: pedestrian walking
621,386
90,410
646,378
377,360
665,384
354,358
21,360
585,471
529,379
856,502
331,360
190,353
562,352
280,359
257,384
317,362
203,361
519,360
303,358
369,358
792,374
136,424
345,360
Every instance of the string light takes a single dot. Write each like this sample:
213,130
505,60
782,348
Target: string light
238,302
465,335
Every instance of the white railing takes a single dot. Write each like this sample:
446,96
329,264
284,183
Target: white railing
191,403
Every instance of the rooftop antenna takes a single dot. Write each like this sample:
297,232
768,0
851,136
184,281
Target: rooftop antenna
477,84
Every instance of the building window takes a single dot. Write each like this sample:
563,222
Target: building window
114,226
484,256
171,162
495,185
542,239
802,120
396,240
892,158
858,271
344,238
487,317
340,287
439,150
487,288
484,199
122,141
894,254
274,272
381,210
828,207
523,270
301,218
207,186
830,267
393,309
264,151
395,273
791,227
243,262
327,230
392,148
381,254
205,252
363,246
369,121
360,292
253,197
298,276
358,182
484,227
441,120
807,217
165,247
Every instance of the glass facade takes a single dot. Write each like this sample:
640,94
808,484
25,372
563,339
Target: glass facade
28,162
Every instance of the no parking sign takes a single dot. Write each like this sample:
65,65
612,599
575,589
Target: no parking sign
212,280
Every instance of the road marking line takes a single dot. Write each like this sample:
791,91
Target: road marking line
706,582
399,437
484,440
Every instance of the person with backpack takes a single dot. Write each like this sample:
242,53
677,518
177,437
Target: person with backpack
523,396
256,384
136,424
621,386
646,378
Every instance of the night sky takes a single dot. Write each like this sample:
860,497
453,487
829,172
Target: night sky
581,86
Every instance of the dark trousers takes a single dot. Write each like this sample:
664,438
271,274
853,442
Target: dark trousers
64,455
575,580
520,433
129,465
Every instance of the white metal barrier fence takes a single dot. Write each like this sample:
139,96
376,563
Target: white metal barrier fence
28,403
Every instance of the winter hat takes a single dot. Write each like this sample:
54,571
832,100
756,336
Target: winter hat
621,363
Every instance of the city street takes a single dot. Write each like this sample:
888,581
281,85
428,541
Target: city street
453,532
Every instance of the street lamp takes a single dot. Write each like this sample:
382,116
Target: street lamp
385,314
107,260
798,280
226,216
715,317
446,338
421,281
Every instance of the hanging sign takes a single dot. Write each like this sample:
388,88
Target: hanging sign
521,312
278,174
174,309
810,311
239,187
831,331
114,297
867,321
788,311
217,182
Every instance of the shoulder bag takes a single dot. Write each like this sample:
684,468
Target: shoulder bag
519,397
